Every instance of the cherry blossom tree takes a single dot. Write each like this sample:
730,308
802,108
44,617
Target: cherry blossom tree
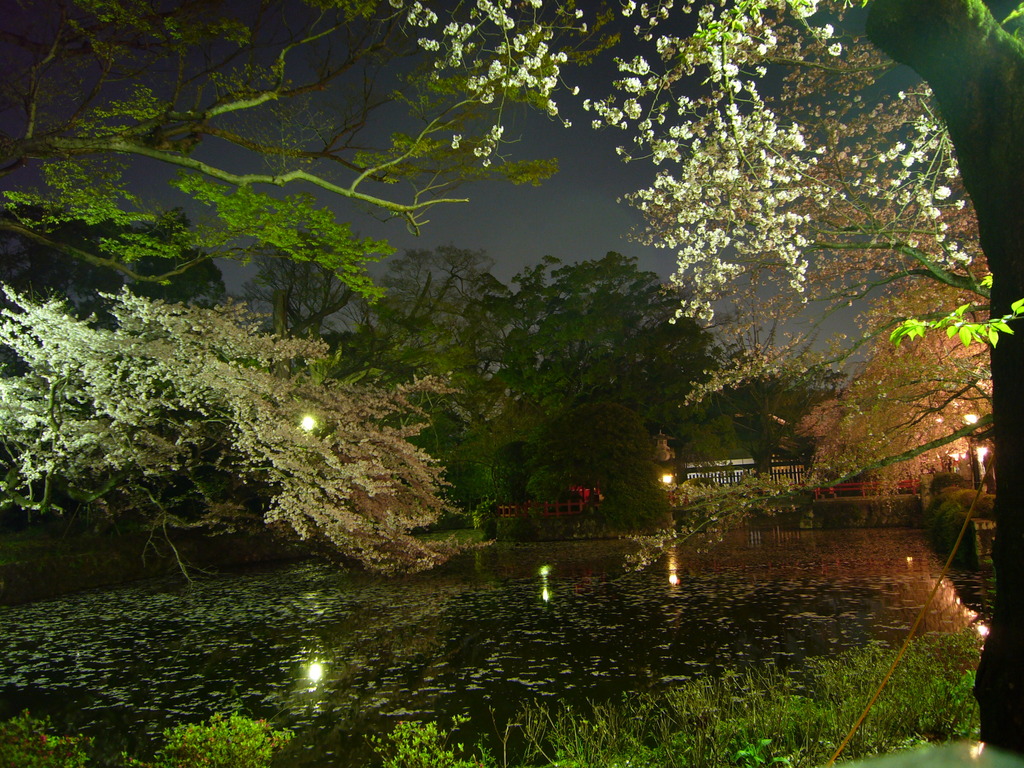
832,185
906,407
175,414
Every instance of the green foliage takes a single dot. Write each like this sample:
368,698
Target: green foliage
510,471
955,324
983,508
600,330
944,519
943,481
292,226
26,743
223,742
222,74
483,514
422,745
603,446
763,717
757,754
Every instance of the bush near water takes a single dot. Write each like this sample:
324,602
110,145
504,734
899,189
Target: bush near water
945,515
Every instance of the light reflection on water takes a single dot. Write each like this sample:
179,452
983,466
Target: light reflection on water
337,656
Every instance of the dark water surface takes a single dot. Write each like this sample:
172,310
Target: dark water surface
336,656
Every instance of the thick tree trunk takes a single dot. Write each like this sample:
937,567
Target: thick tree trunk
976,70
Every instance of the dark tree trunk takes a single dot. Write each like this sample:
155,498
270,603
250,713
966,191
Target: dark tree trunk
976,70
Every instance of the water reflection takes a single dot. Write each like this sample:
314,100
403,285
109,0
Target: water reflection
336,656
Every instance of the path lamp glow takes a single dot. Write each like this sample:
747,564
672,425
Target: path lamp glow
972,418
308,423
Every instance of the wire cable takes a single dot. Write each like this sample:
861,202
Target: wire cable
914,628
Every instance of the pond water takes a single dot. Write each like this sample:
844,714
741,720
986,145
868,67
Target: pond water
337,656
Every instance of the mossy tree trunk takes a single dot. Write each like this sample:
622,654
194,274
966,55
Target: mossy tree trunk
976,69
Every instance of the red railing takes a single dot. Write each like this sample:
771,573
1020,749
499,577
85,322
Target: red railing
866,488
542,508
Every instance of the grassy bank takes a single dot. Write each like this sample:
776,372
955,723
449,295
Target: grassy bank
759,717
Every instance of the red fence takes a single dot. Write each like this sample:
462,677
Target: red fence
868,488
542,508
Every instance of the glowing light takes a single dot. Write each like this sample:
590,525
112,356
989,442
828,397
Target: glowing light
668,479
982,452
910,559
545,595
316,672
308,423
545,571
971,418
977,750
673,578
981,629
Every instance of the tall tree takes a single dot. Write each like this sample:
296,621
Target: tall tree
842,187
600,331
173,415
304,296
970,54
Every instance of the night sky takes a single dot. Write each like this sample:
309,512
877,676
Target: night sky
573,216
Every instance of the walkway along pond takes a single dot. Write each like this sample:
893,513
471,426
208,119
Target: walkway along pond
338,656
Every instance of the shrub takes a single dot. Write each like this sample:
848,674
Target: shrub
235,741
943,481
517,529
25,743
945,517
421,745
984,507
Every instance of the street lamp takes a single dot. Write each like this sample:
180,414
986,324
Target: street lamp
973,451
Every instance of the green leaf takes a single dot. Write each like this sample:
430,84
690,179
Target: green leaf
966,335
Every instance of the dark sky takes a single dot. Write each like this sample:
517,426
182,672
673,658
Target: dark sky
573,216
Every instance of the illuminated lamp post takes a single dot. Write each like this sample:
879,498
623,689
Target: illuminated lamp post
972,452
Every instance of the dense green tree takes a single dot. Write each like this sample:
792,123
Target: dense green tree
601,330
437,318
601,446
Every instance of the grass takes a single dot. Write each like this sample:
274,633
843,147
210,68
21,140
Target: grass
760,717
